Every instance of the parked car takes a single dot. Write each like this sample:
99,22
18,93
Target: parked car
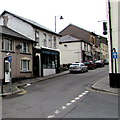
106,62
78,67
90,65
99,63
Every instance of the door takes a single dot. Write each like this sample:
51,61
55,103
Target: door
7,71
36,66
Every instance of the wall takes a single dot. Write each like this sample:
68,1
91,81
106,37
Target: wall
19,26
115,21
16,61
70,53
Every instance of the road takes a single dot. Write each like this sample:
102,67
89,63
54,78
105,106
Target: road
63,97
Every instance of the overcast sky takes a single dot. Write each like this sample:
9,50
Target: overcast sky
82,13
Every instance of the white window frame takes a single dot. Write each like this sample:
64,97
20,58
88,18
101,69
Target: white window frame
9,43
55,42
25,47
44,40
50,41
25,65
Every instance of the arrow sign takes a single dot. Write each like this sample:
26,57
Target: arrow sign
114,55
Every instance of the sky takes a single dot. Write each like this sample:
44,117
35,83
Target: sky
86,14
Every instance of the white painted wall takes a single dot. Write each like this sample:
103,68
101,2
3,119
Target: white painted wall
115,20
48,72
70,53
19,26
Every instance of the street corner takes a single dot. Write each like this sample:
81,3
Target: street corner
102,86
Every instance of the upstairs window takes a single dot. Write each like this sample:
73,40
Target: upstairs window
44,40
54,43
50,41
7,45
37,37
25,47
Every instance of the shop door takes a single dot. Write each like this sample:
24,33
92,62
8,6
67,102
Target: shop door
36,66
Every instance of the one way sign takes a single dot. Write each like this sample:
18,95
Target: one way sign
114,55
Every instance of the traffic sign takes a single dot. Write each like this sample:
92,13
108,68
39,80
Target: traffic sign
10,58
114,55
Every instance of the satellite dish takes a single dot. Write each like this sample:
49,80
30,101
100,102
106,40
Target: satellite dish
18,46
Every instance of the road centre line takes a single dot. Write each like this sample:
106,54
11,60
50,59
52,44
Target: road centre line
68,104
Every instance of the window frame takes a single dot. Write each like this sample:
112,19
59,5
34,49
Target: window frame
7,44
25,68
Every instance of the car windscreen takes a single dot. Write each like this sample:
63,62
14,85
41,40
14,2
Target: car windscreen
74,65
86,62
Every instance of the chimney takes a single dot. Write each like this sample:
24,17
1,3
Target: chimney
5,20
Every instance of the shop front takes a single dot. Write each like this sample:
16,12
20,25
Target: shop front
48,62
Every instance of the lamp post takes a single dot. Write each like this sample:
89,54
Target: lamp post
55,20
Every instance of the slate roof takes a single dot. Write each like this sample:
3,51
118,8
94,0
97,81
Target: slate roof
69,39
33,23
7,31
76,32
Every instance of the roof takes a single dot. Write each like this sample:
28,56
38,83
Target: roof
7,31
33,23
68,38
76,32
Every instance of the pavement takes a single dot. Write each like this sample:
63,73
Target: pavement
101,85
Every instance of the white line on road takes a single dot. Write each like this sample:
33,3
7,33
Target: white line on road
69,103
72,101
57,111
77,98
51,116
63,107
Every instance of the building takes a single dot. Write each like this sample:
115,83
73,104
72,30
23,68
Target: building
100,46
75,45
79,45
114,42
16,55
46,52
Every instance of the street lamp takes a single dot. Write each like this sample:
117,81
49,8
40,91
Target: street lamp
55,20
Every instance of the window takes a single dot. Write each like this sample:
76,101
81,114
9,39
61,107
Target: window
7,45
85,47
25,47
37,37
50,41
44,40
49,62
25,65
54,43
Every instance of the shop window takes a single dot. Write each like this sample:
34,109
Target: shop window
49,62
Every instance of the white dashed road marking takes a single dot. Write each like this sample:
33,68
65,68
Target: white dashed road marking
68,104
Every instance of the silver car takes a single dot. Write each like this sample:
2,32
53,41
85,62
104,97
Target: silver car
78,67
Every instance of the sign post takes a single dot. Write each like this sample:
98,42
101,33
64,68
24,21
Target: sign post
10,60
115,56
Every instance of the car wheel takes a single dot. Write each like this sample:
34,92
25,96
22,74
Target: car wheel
82,70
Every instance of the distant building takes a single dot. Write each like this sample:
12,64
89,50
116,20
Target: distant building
79,45
75,45
100,46
46,52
